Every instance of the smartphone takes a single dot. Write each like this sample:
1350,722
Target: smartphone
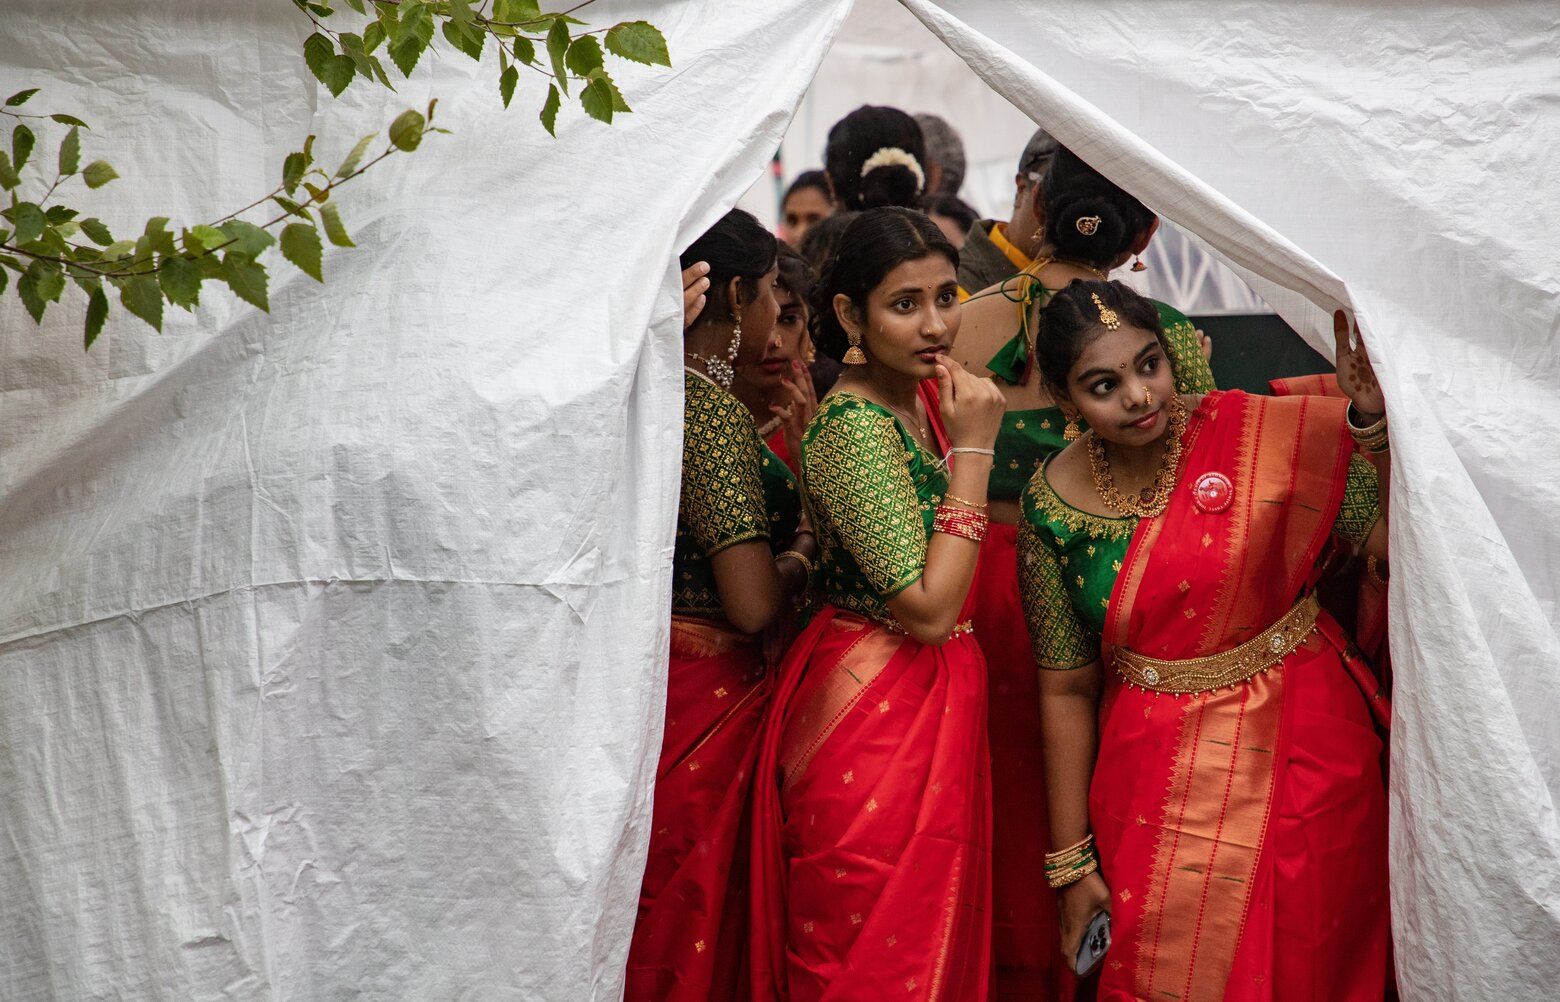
1096,940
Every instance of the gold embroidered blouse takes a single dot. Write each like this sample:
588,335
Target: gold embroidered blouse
722,500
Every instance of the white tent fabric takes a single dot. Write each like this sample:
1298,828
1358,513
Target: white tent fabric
332,642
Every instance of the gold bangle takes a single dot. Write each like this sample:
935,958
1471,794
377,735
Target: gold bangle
966,502
807,565
1372,438
1068,879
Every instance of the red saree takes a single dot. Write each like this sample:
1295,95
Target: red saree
871,818
690,936
1025,931
1242,831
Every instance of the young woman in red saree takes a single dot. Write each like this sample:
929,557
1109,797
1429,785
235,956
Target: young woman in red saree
871,810
1088,226
728,586
1224,800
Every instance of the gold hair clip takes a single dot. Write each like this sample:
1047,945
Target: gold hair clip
1088,224
1107,315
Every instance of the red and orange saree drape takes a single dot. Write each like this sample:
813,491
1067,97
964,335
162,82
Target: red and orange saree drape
1242,831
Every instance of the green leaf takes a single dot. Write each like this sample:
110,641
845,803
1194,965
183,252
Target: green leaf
550,110
70,120
356,156
506,84
22,142
157,238
459,13
557,51
142,297
584,55
20,97
317,48
95,229
247,279
58,214
406,131
97,313
28,222
205,238
70,152
333,227
467,40
180,279
525,50
5,279
248,239
117,251
618,104
412,36
639,41
39,286
292,208
597,100
379,71
339,71
292,172
373,36
357,5
8,177
99,173
516,11
301,245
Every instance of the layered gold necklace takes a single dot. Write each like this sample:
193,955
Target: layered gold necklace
1153,499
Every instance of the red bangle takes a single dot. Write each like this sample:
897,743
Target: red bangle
960,522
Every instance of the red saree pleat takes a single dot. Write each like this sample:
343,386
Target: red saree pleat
871,836
690,937
1242,831
1025,931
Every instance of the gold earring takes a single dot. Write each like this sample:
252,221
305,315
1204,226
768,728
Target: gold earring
853,354
1070,431
1138,265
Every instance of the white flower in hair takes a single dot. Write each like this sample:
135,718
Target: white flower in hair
893,156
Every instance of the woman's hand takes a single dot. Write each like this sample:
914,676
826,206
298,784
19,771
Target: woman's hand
972,407
1078,903
695,284
1205,343
1356,377
801,403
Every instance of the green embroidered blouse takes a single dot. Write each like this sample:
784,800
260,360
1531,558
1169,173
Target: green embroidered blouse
1068,561
722,500
1028,438
781,498
872,491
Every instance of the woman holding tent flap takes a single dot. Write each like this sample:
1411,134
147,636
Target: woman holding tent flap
1211,736
728,586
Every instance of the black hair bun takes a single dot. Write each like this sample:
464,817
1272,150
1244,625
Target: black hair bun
891,184
1088,226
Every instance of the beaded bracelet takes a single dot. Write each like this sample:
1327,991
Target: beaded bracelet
960,522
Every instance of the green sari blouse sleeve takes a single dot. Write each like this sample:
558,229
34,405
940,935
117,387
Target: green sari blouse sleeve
860,491
722,501
1192,374
1056,635
1361,508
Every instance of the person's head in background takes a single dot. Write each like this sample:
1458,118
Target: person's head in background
1088,219
806,202
1025,230
821,239
952,216
874,157
944,157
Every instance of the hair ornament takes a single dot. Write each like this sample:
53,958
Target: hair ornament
893,156
1108,316
1088,225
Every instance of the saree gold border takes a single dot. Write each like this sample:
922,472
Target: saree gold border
1212,828
702,638
848,678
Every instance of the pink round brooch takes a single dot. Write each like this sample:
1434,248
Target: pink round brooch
1213,493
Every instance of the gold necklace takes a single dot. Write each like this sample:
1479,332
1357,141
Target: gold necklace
1153,499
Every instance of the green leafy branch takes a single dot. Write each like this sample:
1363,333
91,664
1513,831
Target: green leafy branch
525,37
43,242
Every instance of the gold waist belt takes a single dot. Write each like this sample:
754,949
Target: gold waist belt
1230,667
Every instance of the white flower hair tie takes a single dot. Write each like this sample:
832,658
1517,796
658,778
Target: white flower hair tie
893,156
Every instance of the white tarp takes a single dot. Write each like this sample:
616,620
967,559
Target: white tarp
331,642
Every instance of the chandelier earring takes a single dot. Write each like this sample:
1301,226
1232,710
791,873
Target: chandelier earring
1071,431
853,354
1137,264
